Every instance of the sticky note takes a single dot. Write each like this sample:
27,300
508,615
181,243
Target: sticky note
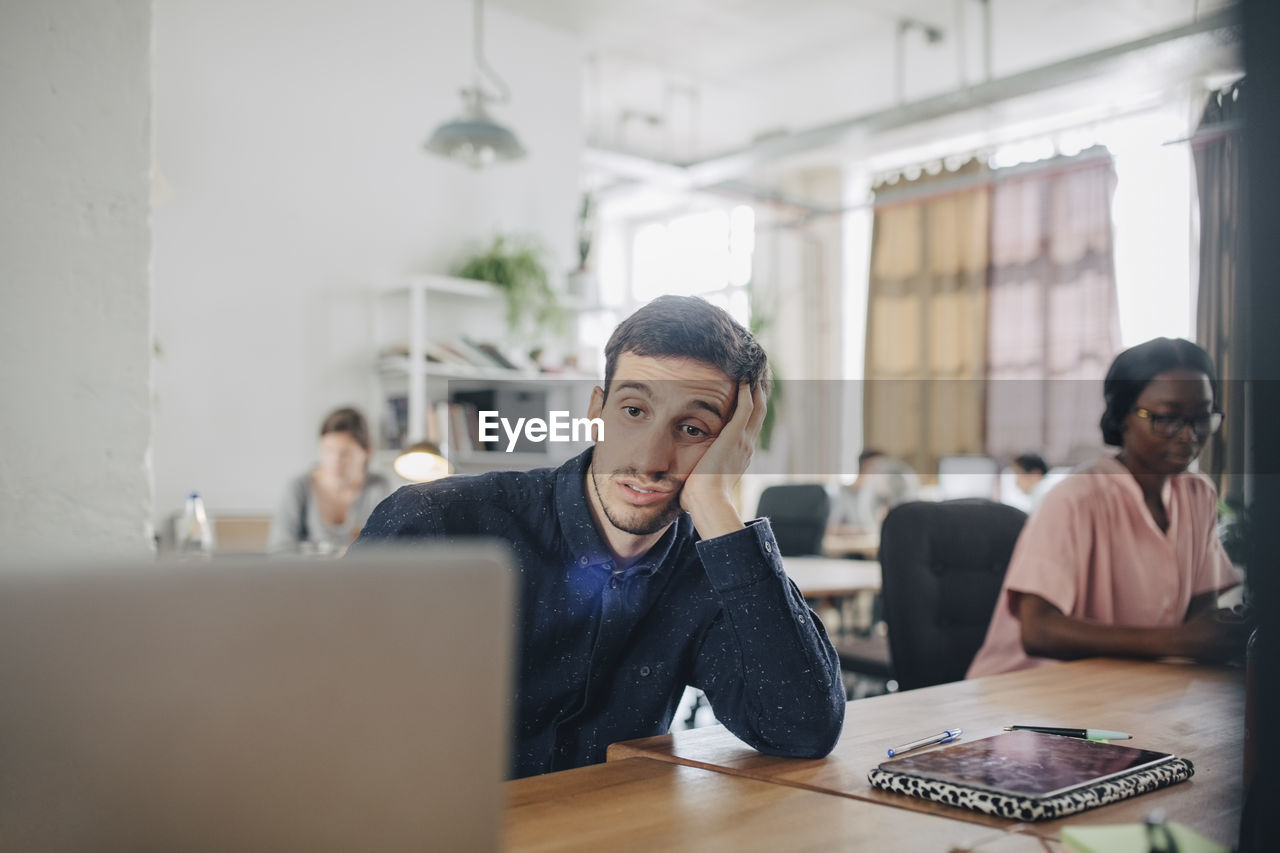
1133,838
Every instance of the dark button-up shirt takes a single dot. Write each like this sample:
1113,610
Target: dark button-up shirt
604,652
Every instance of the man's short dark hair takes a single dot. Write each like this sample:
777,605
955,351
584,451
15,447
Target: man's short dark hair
689,327
1134,369
1032,462
869,453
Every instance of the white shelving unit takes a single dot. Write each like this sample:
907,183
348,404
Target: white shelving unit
413,313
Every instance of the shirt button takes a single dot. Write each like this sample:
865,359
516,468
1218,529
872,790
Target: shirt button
644,672
768,547
613,583
582,561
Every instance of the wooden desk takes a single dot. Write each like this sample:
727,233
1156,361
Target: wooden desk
641,804
851,545
828,577
1194,711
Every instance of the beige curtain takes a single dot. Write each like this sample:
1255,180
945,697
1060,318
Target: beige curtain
1222,310
927,318
1054,317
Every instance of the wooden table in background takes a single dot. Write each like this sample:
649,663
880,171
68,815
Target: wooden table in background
841,591
865,545
830,577
641,804
1196,712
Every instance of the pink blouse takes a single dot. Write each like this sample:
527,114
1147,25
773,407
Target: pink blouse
1093,551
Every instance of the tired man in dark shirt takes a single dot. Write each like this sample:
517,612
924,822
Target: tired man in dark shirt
637,575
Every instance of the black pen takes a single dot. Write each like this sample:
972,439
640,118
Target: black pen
1089,734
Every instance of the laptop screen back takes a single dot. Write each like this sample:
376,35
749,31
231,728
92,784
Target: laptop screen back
257,704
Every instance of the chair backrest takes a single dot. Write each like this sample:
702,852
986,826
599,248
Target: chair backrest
942,565
798,514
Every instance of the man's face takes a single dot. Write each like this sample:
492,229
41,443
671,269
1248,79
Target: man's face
660,416
1026,480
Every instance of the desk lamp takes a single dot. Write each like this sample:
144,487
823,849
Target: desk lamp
422,462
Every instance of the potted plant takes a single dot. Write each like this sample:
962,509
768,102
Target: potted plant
581,282
516,265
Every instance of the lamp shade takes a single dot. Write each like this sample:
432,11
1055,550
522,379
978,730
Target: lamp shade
475,139
422,462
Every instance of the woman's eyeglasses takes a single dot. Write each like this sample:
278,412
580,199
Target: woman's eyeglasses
1167,426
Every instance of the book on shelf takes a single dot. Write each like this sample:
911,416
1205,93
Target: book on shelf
438,423
515,402
471,403
464,428
449,353
465,352
395,422
478,356
496,356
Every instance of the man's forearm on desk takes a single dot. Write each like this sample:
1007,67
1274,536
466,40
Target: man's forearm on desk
767,665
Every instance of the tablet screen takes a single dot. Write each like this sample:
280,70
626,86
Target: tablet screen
1028,764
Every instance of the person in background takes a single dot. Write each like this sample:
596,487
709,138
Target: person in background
637,574
323,510
1122,558
882,483
1029,475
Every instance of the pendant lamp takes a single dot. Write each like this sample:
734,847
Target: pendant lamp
475,138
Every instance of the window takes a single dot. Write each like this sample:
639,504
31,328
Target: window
704,253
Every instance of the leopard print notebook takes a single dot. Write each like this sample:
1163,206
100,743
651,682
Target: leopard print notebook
1029,776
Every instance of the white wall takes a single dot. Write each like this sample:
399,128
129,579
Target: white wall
75,365
288,140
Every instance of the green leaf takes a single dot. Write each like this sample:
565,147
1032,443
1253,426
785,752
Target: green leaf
517,266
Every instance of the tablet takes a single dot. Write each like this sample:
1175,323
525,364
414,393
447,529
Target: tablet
1027,764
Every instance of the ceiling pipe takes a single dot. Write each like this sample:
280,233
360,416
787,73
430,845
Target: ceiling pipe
986,39
1211,41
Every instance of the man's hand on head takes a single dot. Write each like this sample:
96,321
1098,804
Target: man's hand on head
708,490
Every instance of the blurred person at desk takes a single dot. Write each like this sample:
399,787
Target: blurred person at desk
323,510
1030,473
882,483
1122,558
637,574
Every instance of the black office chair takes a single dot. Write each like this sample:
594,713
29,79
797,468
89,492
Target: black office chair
942,565
798,515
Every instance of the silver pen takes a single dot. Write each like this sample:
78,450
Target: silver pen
945,737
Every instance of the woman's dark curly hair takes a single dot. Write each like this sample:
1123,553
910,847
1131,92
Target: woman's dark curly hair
1134,368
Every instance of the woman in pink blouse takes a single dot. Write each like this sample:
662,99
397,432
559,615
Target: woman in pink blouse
1122,558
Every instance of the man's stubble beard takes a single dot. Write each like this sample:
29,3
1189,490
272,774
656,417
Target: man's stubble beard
669,513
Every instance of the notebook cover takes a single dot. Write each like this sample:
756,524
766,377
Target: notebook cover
1030,776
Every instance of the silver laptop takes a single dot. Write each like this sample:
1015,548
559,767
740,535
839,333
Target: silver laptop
257,704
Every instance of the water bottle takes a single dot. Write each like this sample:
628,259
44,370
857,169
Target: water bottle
195,536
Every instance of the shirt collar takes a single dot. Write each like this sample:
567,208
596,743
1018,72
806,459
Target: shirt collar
1131,482
586,545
